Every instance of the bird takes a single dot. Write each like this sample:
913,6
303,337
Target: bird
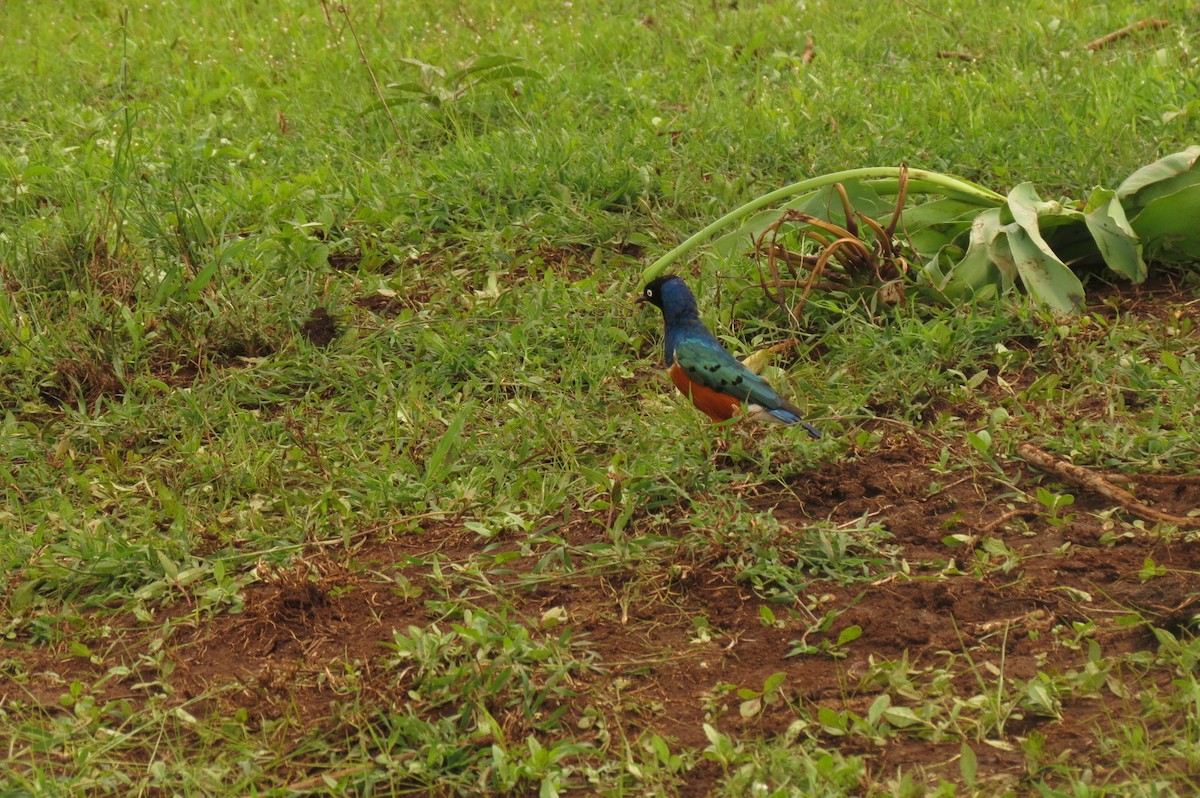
718,384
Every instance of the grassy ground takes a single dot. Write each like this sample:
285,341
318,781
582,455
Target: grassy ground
336,459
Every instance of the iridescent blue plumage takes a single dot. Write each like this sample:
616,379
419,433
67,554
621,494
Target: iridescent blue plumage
717,382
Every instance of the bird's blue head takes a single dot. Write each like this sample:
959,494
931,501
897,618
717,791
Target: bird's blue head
680,317
672,296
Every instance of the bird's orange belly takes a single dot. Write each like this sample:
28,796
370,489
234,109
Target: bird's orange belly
714,404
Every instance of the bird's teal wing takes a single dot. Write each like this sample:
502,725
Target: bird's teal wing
707,363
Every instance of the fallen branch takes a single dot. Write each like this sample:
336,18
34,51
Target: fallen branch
1098,484
1105,41
955,54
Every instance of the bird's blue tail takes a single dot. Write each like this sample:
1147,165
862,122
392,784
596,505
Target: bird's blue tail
788,417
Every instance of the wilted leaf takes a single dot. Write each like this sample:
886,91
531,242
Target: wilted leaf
1046,278
978,271
968,765
931,226
750,708
1168,225
1164,176
1118,244
757,361
900,717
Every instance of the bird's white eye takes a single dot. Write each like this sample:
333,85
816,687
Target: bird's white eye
649,292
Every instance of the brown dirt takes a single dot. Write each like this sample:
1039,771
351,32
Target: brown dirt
320,329
288,653
303,631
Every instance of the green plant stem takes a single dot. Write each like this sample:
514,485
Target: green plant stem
939,182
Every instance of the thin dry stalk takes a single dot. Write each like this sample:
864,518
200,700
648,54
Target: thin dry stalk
362,54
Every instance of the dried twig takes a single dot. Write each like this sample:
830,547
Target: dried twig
1098,484
1105,41
957,55
988,528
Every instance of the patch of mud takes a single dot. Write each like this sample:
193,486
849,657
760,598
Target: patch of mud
345,261
320,328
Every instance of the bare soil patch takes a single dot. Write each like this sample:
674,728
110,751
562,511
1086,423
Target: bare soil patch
988,580
289,653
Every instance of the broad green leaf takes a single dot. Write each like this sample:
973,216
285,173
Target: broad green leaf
1118,244
980,441
939,211
901,717
1033,213
22,597
824,203
742,239
1040,699
439,464
863,199
1046,278
197,285
968,765
930,226
930,241
427,70
832,721
1164,176
509,73
849,635
881,702
169,567
978,273
773,682
485,63
1168,226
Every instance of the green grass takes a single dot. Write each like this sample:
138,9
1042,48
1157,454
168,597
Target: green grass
182,185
